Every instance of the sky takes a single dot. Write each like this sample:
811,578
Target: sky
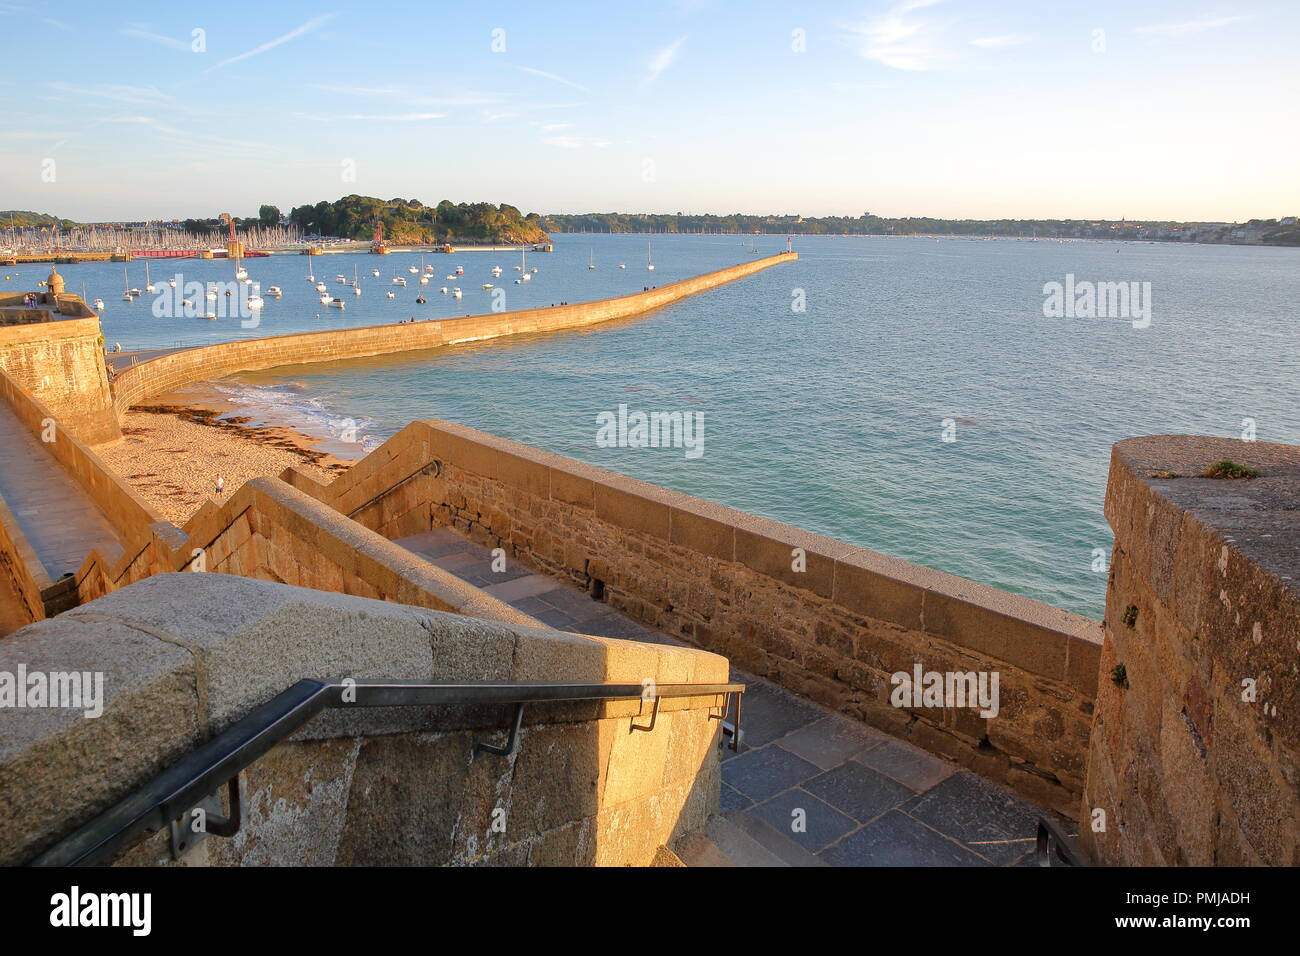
1142,109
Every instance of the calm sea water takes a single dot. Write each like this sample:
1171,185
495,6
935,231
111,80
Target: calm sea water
833,418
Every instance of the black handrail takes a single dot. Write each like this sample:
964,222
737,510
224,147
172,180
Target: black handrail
1053,848
186,783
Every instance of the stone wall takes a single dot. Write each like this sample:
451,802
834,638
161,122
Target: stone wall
22,568
1196,741
169,372
723,580
184,656
62,363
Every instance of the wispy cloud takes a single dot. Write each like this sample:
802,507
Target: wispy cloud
576,142
1187,27
1002,41
138,95
31,134
660,61
901,40
551,76
140,33
315,23
401,94
371,117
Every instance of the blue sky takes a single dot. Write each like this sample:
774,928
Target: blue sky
1177,110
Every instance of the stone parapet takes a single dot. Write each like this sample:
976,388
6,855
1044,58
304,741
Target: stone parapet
62,363
184,656
1193,759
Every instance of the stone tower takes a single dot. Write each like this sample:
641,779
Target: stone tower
55,282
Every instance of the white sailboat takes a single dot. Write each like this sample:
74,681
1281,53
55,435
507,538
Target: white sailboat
650,265
148,285
591,258
126,286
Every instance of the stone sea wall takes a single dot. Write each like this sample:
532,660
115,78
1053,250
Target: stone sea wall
62,363
169,372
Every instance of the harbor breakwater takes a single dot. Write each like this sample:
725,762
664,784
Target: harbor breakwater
169,372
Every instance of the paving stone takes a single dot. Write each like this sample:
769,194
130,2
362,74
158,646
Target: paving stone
768,713
558,620
857,790
529,586
511,572
432,544
761,774
732,800
898,840
908,765
979,814
577,604
454,562
831,741
823,823
531,606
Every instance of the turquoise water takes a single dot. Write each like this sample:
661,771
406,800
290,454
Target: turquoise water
832,419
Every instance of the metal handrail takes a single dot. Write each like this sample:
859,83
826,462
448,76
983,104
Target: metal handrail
1053,848
187,783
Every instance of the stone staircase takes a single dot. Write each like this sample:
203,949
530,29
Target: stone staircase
737,839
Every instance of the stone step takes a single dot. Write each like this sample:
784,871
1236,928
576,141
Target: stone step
773,841
723,843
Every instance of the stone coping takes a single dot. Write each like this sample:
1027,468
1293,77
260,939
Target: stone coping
1259,516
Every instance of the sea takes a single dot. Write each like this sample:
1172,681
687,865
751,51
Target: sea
928,398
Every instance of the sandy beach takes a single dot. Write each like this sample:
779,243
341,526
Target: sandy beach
174,448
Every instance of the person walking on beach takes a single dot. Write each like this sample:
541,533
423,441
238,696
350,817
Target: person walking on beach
221,485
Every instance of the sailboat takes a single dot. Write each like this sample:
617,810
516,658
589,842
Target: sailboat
126,286
356,284
148,285
649,262
523,264
591,258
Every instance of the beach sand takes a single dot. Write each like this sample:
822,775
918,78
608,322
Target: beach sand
174,448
